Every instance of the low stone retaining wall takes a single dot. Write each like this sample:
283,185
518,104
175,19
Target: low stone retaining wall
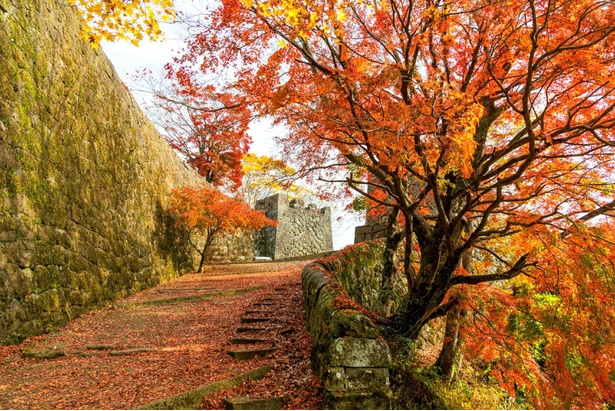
348,353
358,269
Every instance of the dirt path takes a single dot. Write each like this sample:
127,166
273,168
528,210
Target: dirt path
170,339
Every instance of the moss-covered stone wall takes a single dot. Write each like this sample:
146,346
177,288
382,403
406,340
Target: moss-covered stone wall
343,297
348,352
83,177
358,269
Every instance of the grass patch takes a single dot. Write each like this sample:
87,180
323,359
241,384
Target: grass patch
422,387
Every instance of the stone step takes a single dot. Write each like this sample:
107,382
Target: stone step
254,320
244,403
132,351
261,312
262,304
193,399
247,341
189,290
100,347
250,329
41,354
249,354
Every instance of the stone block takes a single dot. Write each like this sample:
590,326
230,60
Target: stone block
249,354
349,323
334,379
242,403
359,353
366,379
380,400
30,352
362,230
100,347
254,320
247,341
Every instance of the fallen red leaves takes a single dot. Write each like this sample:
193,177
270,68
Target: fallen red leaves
191,338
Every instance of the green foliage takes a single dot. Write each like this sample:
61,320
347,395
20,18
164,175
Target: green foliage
417,386
359,204
424,388
547,299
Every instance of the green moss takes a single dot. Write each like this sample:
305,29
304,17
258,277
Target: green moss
349,323
424,388
358,269
192,400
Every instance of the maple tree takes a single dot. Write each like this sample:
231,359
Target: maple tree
479,119
550,334
207,212
206,127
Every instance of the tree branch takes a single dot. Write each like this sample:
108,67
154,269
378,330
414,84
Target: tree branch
443,309
506,275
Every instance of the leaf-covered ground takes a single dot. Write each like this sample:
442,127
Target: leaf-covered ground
188,324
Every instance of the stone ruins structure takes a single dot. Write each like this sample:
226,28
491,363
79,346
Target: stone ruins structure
301,230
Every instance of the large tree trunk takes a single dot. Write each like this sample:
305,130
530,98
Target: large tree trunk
394,237
448,355
429,290
415,313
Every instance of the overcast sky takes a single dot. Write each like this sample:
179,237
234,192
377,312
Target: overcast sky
128,60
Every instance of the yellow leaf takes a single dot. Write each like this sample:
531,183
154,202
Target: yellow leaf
341,15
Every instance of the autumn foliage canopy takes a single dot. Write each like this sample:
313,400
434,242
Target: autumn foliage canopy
208,128
489,127
132,20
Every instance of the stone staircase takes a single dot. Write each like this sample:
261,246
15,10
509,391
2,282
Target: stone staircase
255,339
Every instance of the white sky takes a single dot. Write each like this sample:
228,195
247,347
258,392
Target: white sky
128,60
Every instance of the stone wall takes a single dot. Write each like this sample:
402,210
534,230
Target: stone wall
343,299
369,232
231,249
358,269
83,177
348,352
301,231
